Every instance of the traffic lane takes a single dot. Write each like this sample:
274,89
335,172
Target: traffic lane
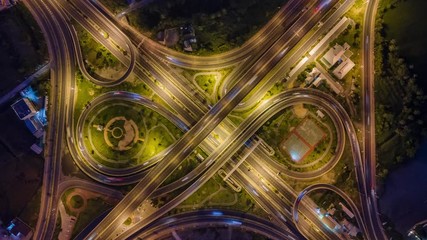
227,149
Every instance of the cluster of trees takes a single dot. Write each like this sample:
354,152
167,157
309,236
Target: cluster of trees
388,4
303,75
96,55
42,85
408,115
400,102
421,232
219,25
21,40
115,5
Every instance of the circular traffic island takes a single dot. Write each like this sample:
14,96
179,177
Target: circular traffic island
76,202
122,134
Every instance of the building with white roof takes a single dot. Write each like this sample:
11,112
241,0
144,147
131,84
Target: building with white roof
334,54
343,68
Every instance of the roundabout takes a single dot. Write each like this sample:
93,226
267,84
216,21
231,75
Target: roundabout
121,134
114,134
124,136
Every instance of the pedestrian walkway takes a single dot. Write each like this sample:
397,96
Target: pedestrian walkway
67,223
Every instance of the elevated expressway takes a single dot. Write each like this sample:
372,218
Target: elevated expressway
332,188
201,130
196,109
190,179
174,84
212,218
177,92
240,136
51,9
251,81
282,70
265,36
251,50
126,55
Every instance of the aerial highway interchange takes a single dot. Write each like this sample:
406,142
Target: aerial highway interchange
261,62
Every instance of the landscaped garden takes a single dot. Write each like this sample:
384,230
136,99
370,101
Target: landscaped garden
121,134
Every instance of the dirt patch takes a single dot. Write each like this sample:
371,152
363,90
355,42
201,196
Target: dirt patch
300,111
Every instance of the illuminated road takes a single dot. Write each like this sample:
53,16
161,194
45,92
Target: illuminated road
105,174
228,148
62,61
196,109
198,132
370,208
88,185
98,32
184,98
268,33
320,186
261,69
284,67
212,218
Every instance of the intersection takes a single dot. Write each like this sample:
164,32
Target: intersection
281,48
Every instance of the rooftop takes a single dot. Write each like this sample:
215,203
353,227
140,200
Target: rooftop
334,54
24,109
20,229
35,126
344,68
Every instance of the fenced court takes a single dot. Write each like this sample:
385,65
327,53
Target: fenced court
302,140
